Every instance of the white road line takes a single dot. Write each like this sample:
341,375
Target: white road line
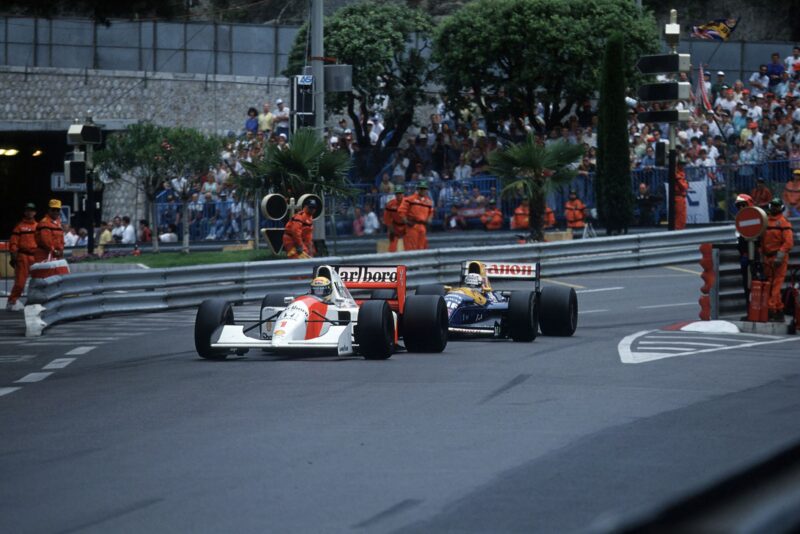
668,305
682,343
560,283
99,339
32,377
59,363
682,270
591,311
741,334
706,338
77,351
598,290
627,355
678,349
12,342
6,391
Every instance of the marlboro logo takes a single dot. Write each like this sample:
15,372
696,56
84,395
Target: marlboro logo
367,274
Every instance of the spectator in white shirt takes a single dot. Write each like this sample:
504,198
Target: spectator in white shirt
371,224
759,80
70,237
129,232
281,119
790,61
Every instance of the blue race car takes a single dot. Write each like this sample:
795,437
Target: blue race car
475,309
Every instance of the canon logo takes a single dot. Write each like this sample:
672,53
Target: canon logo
511,269
367,274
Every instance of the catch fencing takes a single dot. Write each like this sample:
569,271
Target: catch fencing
80,296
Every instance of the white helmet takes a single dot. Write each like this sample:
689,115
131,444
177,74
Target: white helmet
473,280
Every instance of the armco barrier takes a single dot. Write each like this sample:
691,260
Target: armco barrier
85,295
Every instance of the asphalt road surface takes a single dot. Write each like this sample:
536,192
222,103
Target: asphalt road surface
115,424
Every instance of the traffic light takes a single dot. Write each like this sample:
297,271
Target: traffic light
664,91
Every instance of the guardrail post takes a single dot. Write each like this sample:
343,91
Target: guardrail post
709,277
714,293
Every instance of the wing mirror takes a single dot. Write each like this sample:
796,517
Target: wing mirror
288,300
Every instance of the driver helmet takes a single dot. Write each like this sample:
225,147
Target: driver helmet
321,287
743,200
775,206
473,281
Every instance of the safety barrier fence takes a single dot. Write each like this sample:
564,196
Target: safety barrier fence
77,296
354,245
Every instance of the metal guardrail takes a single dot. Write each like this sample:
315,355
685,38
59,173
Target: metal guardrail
77,296
352,245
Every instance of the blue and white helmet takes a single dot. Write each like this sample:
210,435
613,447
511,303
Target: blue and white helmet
473,280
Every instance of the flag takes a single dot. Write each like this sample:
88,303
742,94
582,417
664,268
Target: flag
715,30
706,104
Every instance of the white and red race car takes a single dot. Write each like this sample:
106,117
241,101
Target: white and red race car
371,324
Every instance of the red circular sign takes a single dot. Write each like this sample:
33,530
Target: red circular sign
751,222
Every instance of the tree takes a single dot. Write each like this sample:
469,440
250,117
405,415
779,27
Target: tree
307,166
150,155
387,44
508,56
532,170
189,155
613,179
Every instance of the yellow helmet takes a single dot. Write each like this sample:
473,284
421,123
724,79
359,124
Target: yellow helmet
321,287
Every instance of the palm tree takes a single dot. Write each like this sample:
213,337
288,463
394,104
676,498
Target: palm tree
532,170
305,166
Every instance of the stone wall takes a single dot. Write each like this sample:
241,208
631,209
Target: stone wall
49,99
213,104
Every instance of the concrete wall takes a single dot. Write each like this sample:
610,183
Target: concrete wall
214,104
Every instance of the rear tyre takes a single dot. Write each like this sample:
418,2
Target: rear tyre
374,332
384,294
558,315
425,323
430,289
271,300
522,318
211,315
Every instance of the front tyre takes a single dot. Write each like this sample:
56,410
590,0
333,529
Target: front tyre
559,311
374,332
430,289
425,323
522,317
211,315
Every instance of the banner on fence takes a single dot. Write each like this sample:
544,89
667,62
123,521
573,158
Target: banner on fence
696,202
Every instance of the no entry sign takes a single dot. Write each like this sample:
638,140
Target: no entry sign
751,222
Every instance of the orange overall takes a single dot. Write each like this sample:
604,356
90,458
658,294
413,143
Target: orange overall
549,218
417,212
777,237
574,213
394,223
22,246
681,189
492,219
791,195
521,218
49,239
297,236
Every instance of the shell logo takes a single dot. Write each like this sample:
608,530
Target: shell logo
279,333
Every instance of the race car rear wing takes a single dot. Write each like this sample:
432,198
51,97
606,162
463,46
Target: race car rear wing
375,277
